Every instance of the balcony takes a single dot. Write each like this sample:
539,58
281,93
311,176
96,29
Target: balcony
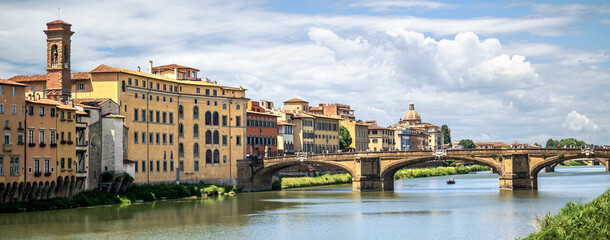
37,174
82,146
47,174
8,147
81,125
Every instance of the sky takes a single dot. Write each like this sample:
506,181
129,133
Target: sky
504,71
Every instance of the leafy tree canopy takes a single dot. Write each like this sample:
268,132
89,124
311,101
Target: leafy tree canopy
467,144
344,138
565,142
446,134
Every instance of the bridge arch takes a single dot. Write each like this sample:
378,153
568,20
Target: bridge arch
389,171
263,177
535,169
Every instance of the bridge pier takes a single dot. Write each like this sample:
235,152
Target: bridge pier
367,175
550,168
516,174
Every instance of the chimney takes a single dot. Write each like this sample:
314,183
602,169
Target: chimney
176,73
150,66
138,68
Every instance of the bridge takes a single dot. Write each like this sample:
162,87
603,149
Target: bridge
516,168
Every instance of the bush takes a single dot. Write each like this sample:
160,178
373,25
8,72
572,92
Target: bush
439,171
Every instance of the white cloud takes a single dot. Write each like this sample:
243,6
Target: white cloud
605,21
383,6
578,122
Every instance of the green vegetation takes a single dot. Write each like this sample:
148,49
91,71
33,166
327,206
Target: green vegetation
573,163
576,221
344,138
467,144
136,192
326,179
565,142
439,171
446,134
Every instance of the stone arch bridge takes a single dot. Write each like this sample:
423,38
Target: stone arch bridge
517,168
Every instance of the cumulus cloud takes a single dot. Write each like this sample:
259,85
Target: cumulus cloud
382,6
579,122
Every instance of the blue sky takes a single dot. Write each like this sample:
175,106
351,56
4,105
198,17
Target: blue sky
493,71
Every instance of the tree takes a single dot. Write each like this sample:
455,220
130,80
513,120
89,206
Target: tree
551,143
446,134
467,144
536,144
344,138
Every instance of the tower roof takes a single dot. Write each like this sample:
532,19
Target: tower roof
411,115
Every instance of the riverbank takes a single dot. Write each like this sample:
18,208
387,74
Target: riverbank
134,194
577,221
438,171
326,179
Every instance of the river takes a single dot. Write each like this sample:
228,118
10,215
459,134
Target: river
425,208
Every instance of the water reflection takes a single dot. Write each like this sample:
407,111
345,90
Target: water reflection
474,208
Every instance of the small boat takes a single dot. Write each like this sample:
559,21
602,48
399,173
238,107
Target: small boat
450,181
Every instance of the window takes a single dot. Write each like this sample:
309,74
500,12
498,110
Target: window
135,167
136,82
158,137
164,165
2,108
164,87
46,164
123,86
158,114
14,109
30,135
195,131
216,137
180,112
165,139
224,120
224,159
7,138
208,156
150,165
1,165
150,85
158,166
81,86
208,137
63,163
196,150
41,135
158,88
150,116
150,136
41,111
208,118
224,106
224,140
143,115
216,156
136,113
171,139
196,166
136,135
196,113
1,90
238,140
36,165
180,130
69,163
238,121
198,90
143,166
171,165
207,92
14,166
171,118
180,150
215,92
14,92
53,137
215,119
237,106
143,141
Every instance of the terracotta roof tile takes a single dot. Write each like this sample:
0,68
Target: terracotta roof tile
295,100
9,82
58,21
28,78
171,67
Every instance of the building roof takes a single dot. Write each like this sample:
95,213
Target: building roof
324,116
36,78
90,102
44,101
375,127
295,100
280,123
261,113
303,115
9,82
59,21
108,69
411,115
171,67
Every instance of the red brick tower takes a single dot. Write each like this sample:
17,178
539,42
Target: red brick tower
58,60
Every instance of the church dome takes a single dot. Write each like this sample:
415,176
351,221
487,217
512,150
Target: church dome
412,115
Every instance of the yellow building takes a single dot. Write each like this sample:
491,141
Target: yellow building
185,123
66,149
381,138
326,134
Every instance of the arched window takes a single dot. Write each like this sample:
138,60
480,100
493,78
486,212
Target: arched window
216,137
208,137
180,130
237,106
208,118
208,156
224,106
196,131
54,55
180,111
180,150
215,119
195,112
123,86
216,156
196,150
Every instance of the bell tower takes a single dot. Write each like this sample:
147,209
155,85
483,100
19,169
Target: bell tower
59,82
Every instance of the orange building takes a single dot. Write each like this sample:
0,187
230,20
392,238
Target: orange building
261,132
12,160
